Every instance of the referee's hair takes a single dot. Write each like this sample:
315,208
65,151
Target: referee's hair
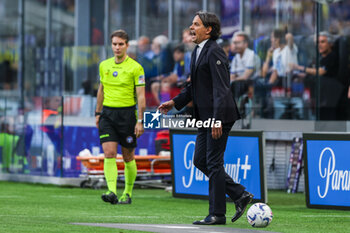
121,34
211,20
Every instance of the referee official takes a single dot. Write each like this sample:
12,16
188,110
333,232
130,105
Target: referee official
122,86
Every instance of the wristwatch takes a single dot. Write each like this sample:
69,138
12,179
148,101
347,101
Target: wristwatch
97,113
140,121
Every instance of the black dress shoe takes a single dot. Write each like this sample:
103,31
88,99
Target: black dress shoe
212,220
241,205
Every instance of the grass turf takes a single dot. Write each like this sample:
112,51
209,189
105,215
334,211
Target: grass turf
47,208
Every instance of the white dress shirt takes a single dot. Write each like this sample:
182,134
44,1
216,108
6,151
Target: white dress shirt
200,47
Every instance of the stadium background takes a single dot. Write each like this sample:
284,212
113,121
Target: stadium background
49,56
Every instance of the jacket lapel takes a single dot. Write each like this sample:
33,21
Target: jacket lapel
202,54
193,61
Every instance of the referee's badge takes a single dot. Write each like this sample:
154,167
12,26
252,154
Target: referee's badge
141,79
218,62
115,74
129,139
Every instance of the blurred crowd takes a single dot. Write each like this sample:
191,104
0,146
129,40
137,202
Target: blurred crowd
271,77
273,71
166,65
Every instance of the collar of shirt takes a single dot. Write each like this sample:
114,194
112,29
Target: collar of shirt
126,58
200,46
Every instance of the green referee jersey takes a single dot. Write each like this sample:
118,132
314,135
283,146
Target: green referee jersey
120,81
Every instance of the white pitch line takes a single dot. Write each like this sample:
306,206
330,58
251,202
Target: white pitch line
165,226
174,227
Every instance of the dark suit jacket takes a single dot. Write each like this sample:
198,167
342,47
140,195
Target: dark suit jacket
210,86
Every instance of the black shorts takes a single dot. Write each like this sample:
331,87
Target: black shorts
118,125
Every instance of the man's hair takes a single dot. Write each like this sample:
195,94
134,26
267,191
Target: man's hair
161,39
121,34
180,48
145,38
280,34
211,20
242,34
330,38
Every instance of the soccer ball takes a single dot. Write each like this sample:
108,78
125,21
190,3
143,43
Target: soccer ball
259,215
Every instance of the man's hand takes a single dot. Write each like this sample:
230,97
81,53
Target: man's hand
233,77
139,129
349,93
293,66
270,52
216,132
97,120
165,107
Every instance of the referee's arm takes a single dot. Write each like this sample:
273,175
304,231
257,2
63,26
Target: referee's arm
99,104
141,103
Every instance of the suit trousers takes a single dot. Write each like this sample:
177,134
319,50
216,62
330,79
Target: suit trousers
209,158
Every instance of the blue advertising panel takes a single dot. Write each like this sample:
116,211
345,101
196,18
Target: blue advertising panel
327,170
44,149
243,161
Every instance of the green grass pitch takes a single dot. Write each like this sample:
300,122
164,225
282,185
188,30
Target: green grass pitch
47,208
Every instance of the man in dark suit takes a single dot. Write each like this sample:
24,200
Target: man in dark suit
210,92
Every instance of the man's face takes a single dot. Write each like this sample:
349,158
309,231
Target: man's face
274,41
143,45
119,47
186,37
240,44
178,56
199,33
324,47
156,48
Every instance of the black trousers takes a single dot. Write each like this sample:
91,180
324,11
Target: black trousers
209,158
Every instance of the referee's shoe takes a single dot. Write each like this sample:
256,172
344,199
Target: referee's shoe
125,199
110,197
